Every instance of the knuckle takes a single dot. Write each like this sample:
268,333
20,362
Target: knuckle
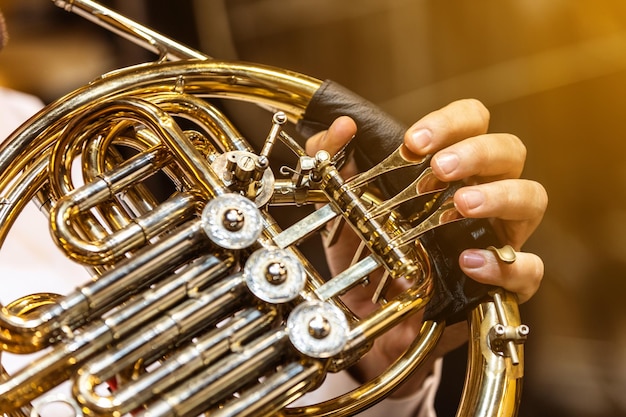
476,107
540,197
521,149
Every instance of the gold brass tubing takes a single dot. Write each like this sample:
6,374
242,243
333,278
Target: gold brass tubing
378,388
81,133
388,315
101,251
20,182
286,193
29,304
145,266
23,307
203,113
66,150
38,149
58,364
183,313
184,152
53,368
25,411
94,163
130,108
173,371
219,380
267,86
25,335
493,385
15,197
22,165
97,146
139,197
274,88
276,392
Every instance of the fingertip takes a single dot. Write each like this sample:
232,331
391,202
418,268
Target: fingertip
458,120
522,277
445,164
343,127
472,259
481,266
469,200
419,140
340,132
346,121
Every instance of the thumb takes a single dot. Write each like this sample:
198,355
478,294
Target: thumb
332,140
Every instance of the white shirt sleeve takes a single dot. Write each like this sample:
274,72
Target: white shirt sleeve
15,109
420,404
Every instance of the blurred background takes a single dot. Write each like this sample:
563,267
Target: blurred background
551,72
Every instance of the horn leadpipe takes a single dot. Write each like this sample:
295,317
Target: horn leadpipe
131,30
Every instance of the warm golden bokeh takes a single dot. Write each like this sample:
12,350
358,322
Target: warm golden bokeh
552,72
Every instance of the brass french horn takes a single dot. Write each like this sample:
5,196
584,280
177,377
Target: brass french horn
200,303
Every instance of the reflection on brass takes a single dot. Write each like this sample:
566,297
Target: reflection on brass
426,183
400,158
169,323
506,253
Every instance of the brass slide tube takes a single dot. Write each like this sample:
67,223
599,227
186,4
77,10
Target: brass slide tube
23,335
123,319
128,29
493,384
202,310
223,377
168,214
174,370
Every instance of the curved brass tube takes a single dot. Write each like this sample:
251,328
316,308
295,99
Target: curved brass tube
36,331
192,308
378,388
493,383
123,319
179,366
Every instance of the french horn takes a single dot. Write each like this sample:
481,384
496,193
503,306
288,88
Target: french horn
201,302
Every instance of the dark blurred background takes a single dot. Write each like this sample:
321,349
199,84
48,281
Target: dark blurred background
551,72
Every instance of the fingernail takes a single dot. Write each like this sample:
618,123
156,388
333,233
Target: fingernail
421,139
473,198
447,162
473,260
